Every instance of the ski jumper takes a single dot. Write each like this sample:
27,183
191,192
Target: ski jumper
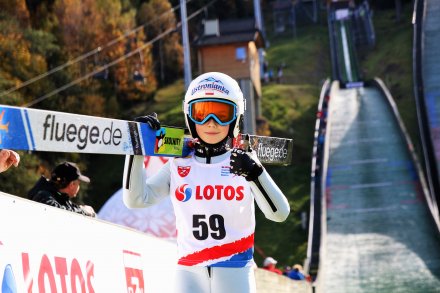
215,217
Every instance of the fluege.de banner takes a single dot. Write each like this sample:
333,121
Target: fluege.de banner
31,129
45,249
43,130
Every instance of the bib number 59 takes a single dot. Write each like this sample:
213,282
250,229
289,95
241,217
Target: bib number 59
213,226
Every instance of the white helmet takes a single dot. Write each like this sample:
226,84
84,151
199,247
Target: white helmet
215,85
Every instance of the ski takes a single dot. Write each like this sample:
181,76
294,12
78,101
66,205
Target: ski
43,130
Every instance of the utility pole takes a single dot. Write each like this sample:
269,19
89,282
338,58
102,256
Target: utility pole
258,17
185,44
260,27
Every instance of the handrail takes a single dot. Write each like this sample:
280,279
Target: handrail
333,54
314,239
353,54
430,167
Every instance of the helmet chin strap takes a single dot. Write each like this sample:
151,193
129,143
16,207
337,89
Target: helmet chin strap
221,144
206,150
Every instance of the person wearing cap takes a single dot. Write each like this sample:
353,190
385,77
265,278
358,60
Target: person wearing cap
8,158
62,186
296,273
269,264
213,190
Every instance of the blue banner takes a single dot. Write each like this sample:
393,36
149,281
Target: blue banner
12,129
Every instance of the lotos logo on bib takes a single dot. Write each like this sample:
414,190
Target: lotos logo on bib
210,192
183,193
183,170
219,192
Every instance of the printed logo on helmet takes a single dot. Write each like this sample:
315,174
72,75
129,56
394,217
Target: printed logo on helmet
183,170
210,84
183,193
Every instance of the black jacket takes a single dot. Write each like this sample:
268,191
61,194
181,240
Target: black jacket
45,192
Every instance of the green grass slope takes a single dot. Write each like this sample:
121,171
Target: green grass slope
290,108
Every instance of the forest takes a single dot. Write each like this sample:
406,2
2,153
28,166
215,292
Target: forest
93,57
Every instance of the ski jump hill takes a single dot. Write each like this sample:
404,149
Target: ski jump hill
374,220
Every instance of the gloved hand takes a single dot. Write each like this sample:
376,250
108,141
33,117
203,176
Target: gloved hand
150,119
244,165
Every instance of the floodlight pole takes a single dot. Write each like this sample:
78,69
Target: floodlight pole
185,44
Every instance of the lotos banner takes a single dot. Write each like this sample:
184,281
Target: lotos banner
46,249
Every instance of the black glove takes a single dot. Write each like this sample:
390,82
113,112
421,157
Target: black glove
150,120
242,164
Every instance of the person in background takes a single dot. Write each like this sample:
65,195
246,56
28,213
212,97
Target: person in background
280,74
62,186
296,273
8,158
286,270
266,71
269,264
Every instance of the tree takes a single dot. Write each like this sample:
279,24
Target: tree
22,51
87,25
398,4
167,51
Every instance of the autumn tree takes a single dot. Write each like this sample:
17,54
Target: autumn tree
22,51
160,22
103,27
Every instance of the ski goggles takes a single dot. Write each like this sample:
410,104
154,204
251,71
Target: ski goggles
223,112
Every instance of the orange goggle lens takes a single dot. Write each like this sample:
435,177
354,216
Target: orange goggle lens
223,112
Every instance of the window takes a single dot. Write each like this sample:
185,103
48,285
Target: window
240,54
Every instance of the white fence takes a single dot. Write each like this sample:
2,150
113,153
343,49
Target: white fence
46,249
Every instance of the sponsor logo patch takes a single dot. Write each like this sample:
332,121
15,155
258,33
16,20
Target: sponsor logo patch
225,170
183,170
183,193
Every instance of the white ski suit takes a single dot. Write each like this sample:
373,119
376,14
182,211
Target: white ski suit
215,217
